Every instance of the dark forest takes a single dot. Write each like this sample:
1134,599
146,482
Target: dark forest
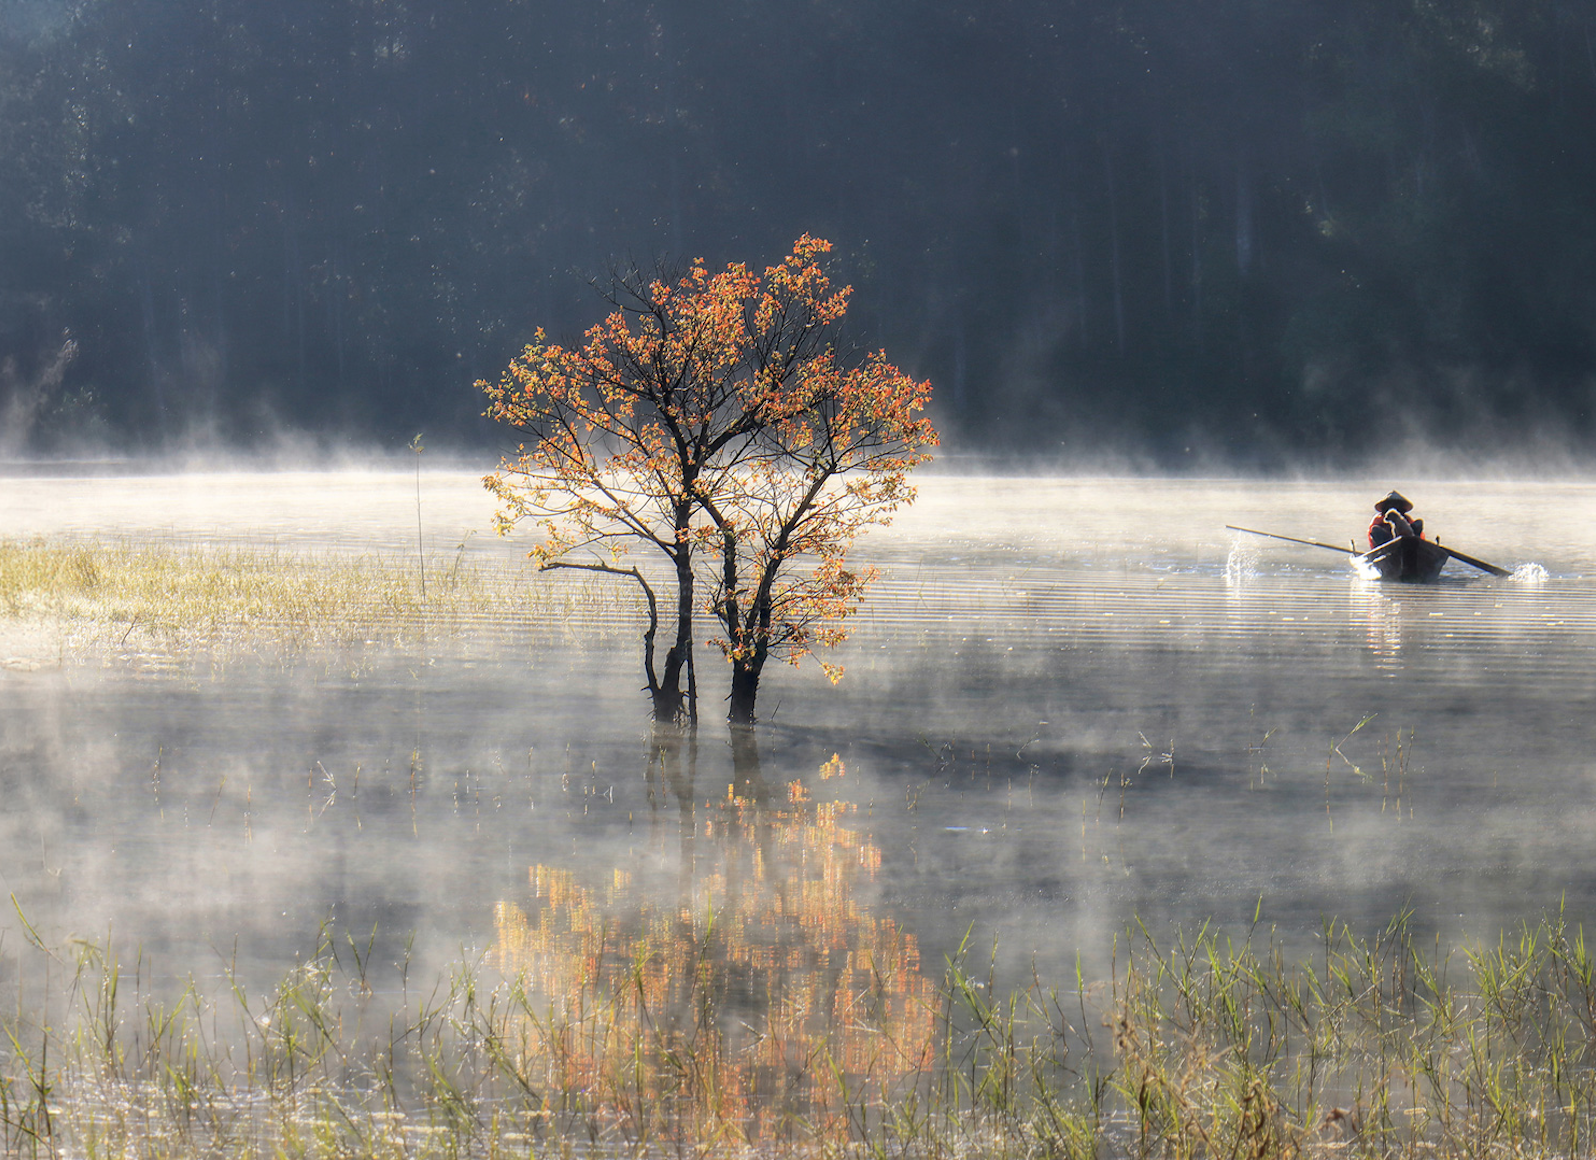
1249,231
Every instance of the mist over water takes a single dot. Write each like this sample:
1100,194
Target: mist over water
1069,704
1187,241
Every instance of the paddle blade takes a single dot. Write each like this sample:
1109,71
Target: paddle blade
1463,558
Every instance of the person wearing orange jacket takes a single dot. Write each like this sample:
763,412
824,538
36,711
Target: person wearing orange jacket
1391,519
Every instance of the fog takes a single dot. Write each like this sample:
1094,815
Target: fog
1091,705
1167,267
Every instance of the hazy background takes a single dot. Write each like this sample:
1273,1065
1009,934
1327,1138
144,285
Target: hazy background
1235,231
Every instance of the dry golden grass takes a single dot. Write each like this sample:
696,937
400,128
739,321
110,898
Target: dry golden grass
75,598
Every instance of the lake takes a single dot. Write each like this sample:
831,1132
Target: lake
1070,705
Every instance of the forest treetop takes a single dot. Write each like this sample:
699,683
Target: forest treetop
1263,229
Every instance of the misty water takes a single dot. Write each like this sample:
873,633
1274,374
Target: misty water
1069,705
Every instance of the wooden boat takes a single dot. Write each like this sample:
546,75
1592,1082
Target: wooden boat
1406,558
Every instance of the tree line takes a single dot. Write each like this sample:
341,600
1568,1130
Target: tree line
1261,228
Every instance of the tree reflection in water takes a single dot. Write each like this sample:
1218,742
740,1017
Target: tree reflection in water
759,996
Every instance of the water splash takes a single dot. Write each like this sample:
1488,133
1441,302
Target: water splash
1364,569
1529,574
1242,563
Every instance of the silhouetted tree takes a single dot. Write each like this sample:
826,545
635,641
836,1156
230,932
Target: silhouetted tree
721,396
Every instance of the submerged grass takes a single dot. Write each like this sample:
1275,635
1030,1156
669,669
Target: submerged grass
1372,1047
175,599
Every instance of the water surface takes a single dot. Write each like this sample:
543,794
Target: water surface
1069,704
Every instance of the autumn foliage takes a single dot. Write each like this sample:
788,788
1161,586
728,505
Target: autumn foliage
708,423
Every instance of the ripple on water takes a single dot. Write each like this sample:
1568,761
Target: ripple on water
1339,748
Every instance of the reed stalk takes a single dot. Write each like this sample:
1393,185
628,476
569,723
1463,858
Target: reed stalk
149,598
1374,1047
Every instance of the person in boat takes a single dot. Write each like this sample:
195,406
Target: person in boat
1392,519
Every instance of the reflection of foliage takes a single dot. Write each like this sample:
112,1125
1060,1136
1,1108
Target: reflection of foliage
1383,1047
764,996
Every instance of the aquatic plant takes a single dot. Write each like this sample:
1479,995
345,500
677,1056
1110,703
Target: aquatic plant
1381,1046
149,597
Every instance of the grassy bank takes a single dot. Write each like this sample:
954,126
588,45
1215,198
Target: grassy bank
1374,1047
176,599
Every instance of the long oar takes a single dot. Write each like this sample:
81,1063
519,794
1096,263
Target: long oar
1460,557
1470,560
1295,540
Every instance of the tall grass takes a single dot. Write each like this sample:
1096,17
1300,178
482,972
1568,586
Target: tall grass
175,599
1382,1046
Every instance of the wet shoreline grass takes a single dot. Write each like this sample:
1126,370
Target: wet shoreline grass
1196,1047
105,598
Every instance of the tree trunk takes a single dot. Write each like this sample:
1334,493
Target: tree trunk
667,699
1196,261
1115,273
669,702
1244,222
1163,221
665,691
744,691
747,668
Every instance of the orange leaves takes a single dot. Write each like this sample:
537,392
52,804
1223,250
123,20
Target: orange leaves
707,415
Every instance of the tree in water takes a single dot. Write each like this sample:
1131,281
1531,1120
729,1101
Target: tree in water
709,409
787,517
